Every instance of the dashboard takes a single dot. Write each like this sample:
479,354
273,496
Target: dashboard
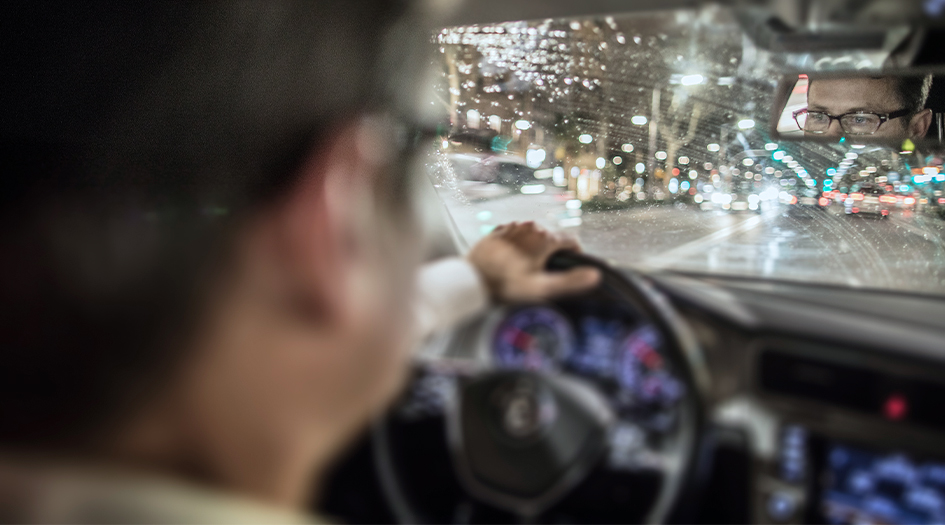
823,405
833,398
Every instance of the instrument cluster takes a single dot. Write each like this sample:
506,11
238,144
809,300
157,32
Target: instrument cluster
619,352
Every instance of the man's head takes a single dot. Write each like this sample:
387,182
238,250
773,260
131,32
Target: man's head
905,96
206,235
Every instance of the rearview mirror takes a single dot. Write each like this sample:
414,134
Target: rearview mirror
902,109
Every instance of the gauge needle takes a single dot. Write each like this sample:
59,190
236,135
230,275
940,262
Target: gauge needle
523,340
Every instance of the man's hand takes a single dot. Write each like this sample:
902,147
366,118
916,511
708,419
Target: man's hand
511,261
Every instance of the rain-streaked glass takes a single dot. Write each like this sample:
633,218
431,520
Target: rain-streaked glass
648,137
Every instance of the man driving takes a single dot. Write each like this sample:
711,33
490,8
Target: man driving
210,253
881,107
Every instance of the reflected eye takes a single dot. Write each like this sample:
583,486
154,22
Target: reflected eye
861,123
817,118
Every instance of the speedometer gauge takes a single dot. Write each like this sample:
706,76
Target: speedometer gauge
643,374
533,338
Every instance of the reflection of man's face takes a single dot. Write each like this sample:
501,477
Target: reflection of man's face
850,95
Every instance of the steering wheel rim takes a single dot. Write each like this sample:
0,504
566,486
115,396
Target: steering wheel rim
674,469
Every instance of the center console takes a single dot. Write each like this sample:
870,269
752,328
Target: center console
823,480
854,439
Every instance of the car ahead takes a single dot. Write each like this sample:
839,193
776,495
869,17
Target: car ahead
868,200
807,198
732,367
804,200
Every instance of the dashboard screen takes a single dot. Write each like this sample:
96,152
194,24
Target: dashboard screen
863,486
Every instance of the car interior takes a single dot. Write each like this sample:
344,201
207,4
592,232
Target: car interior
675,392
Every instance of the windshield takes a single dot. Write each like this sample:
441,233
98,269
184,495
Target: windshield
646,136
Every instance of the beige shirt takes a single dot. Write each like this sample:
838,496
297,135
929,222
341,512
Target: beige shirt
448,292
32,492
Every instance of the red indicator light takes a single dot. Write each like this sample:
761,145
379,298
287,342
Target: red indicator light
895,407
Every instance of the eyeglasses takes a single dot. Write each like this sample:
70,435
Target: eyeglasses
857,123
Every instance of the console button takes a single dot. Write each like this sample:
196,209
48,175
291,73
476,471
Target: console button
781,506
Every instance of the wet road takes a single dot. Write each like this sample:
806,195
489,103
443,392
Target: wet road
905,251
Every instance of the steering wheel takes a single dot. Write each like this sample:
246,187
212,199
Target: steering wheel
472,441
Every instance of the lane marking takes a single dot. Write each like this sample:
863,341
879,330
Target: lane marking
678,253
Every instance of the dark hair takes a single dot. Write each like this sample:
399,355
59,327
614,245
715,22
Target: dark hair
913,91
135,138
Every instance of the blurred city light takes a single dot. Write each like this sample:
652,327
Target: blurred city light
534,157
640,167
523,124
639,120
557,176
661,155
746,123
771,146
712,147
473,119
533,189
618,160
691,80
627,148
585,139
601,162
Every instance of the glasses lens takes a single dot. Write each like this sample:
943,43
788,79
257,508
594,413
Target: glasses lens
815,122
860,123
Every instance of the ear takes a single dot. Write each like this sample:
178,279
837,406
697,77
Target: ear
919,125
312,225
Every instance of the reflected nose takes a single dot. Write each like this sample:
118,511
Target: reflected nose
834,130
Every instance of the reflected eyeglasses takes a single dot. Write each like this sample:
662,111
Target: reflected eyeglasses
856,123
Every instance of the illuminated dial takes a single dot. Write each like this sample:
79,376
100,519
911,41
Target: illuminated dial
642,372
535,338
